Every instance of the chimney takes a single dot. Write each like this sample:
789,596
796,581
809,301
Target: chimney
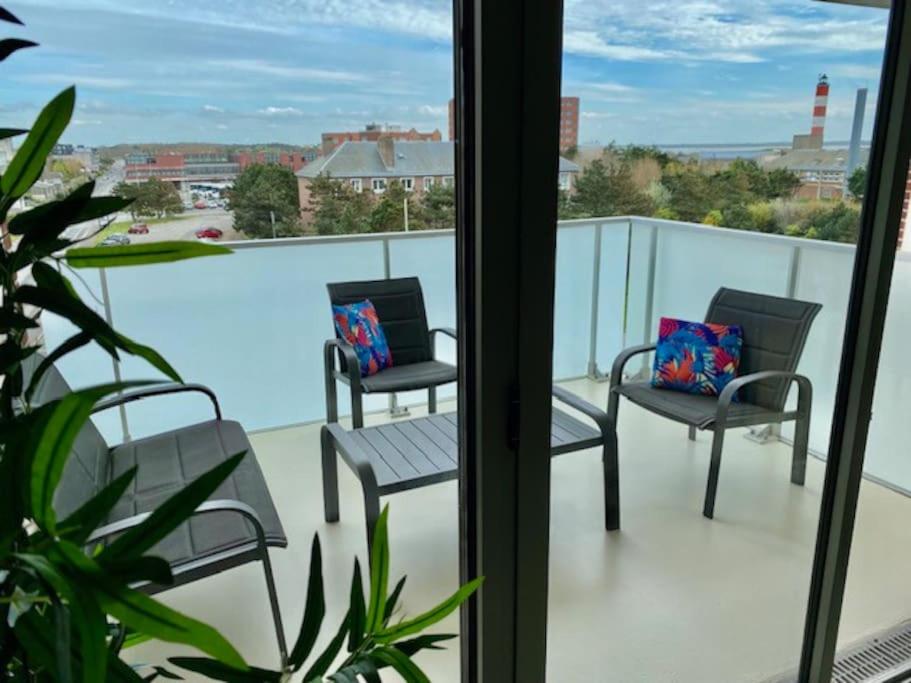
819,106
386,147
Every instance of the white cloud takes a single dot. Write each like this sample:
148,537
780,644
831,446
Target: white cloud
280,111
102,82
434,110
298,73
861,72
212,108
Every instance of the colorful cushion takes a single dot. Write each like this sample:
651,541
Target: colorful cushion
359,324
696,358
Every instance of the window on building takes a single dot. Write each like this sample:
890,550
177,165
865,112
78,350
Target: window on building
408,184
447,181
379,185
357,184
428,183
563,182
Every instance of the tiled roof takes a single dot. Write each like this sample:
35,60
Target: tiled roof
815,160
412,159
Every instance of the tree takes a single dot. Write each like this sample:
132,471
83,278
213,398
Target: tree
388,214
857,182
438,207
151,198
336,208
781,183
692,193
262,192
607,189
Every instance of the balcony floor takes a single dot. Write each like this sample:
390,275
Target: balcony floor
671,597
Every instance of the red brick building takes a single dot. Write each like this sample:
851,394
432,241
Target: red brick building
372,133
216,166
569,122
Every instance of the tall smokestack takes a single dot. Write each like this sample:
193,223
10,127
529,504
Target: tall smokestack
860,104
819,106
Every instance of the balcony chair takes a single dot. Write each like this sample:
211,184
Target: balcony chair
399,304
237,525
774,333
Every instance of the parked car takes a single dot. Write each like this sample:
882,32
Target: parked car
201,204
115,240
208,233
139,229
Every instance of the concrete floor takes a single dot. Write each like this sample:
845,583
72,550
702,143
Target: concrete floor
671,597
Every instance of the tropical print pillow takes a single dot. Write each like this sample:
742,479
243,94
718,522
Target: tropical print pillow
359,324
696,358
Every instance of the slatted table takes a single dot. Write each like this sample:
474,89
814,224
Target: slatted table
409,454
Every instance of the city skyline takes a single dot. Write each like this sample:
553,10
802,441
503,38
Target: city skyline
230,72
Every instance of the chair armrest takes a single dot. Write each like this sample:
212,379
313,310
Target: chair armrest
158,390
448,331
584,407
804,388
616,373
353,373
219,505
354,456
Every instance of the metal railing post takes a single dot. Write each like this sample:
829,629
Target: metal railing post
648,329
593,372
109,318
395,410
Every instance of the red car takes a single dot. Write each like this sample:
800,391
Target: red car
139,229
200,204
208,234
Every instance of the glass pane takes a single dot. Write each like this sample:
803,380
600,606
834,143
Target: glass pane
311,139
707,150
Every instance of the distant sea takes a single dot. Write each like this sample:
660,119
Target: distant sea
746,150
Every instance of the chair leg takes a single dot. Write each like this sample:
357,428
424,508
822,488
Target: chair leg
613,406
276,613
371,512
691,433
714,467
357,409
432,400
611,481
330,476
801,444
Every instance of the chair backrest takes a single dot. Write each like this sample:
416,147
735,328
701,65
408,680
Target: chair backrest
87,468
775,330
399,305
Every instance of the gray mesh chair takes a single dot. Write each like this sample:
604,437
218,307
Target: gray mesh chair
235,526
399,304
774,333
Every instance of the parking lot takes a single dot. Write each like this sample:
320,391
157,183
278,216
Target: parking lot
184,226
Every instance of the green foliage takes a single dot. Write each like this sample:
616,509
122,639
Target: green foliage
261,192
373,640
153,197
606,188
633,153
336,208
438,207
713,217
857,182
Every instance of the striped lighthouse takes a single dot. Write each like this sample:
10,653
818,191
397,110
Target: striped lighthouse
819,106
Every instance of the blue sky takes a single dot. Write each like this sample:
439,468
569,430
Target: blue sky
254,71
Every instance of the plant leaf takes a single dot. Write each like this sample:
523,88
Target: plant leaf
77,341
211,668
323,662
86,616
11,132
399,661
379,574
358,609
9,45
48,220
363,666
62,422
13,320
169,515
314,609
426,642
140,254
150,355
6,15
429,618
393,600
26,167
149,568
144,614
81,523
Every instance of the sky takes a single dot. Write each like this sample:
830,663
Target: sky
258,71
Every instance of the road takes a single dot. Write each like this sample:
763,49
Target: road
188,223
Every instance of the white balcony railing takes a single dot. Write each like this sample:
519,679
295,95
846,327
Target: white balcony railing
251,325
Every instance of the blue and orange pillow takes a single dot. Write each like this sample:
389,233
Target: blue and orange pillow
359,325
696,358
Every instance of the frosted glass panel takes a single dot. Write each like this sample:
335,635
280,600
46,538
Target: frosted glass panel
89,365
573,300
612,293
890,428
824,278
250,325
432,260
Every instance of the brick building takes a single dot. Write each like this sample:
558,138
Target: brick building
372,132
569,122
179,167
370,166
